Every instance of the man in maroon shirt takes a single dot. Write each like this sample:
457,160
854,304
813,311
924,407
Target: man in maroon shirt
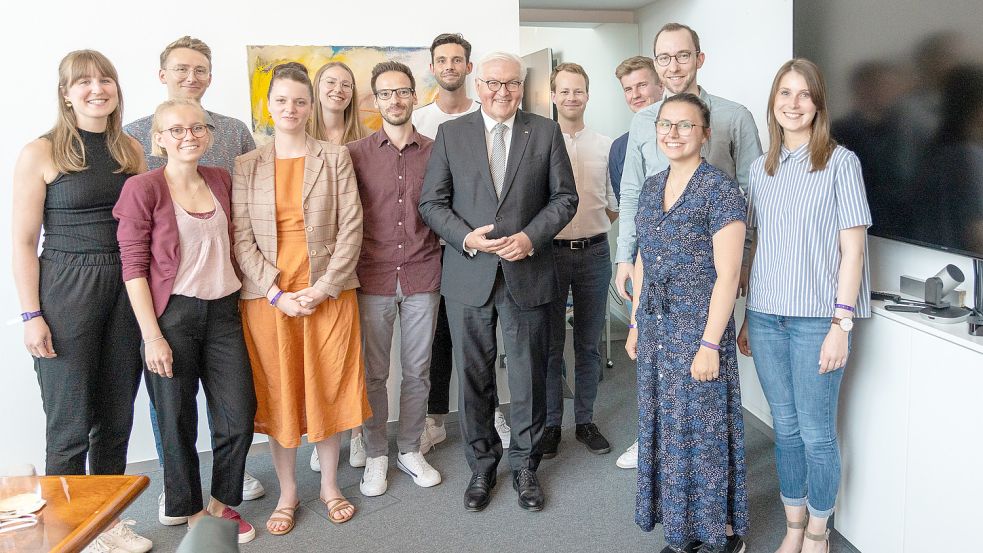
399,270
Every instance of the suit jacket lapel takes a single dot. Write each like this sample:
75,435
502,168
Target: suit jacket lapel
312,166
480,147
265,172
520,137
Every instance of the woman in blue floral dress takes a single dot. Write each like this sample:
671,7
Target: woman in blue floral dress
691,470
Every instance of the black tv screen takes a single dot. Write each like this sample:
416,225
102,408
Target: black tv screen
905,83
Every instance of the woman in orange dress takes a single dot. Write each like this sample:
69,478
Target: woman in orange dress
298,234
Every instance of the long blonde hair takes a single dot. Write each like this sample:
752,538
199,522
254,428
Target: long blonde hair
821,143
353,127
67,148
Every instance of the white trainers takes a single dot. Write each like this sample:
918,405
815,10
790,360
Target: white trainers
315,461
124,538
629,459
252,488
98,545
356,453
374,478
164,519
415,465
502,427
432,435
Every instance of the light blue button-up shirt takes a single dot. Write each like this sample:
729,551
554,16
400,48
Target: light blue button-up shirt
733,145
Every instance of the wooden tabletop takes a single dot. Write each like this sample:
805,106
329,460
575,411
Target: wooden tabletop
79,508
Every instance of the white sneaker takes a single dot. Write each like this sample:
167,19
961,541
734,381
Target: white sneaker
252,488
164,519
356,453
315,461
502,427
374,478
432,435
125,539
98,545
629,459
415,465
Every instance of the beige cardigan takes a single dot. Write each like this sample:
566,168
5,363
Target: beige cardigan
332,215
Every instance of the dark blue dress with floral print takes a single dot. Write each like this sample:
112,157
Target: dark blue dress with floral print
691,470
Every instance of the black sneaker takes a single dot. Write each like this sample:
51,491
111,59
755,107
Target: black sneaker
735,544
550,442
691,547
590,436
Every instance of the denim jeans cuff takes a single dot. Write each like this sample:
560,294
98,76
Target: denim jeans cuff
790,502
813,512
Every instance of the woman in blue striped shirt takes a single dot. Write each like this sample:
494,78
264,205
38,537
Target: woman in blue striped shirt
808,280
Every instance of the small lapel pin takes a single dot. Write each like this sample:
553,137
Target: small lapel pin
526,132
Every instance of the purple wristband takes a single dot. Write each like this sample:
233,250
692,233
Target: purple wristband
276,297
27,316
844,307
710,345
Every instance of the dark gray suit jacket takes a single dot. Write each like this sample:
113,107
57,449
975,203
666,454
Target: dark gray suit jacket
539,197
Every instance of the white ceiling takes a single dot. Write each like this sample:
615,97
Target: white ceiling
584,4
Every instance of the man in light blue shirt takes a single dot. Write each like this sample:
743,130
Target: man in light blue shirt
733,143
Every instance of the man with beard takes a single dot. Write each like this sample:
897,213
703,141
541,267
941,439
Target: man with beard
399,270
450,63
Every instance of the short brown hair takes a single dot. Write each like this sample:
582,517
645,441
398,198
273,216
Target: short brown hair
395,66
190,43
669,27
452,38
633,64
569,68
291,71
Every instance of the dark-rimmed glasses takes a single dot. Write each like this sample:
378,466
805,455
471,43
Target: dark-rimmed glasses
387,93
197,131
495,86
684,128
682,58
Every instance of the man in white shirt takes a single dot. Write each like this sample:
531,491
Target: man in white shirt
450,63
583,262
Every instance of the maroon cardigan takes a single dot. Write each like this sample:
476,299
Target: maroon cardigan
148,236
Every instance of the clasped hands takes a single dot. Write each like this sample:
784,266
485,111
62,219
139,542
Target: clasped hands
300,303
510,248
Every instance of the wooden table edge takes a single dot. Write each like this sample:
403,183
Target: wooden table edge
92,526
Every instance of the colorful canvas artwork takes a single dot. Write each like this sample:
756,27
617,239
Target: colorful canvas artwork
262,60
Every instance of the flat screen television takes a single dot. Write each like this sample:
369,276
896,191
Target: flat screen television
905,86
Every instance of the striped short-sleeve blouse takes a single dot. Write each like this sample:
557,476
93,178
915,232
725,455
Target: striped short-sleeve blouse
798,215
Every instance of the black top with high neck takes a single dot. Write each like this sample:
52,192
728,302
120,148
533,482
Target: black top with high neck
78,207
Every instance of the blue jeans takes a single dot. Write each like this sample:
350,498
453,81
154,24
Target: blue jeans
803,406
587,272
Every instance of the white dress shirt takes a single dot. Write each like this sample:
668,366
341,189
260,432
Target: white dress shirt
489,134
588,151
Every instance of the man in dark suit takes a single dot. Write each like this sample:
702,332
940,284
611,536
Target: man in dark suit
498,188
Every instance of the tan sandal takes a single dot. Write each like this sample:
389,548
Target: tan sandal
287,514
793,525
819,537
335,505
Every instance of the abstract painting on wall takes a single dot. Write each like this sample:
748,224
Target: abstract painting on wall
262,60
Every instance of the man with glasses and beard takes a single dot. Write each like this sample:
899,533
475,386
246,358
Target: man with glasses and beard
399,272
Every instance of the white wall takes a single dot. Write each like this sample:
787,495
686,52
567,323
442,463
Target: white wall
745,43
599,50
132,36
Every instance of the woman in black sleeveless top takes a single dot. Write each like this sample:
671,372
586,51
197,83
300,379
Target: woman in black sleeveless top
78,324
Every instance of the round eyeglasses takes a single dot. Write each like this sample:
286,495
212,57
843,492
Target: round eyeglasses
197,131
682,58
684,128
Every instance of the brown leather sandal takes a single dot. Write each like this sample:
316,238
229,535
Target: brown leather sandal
336,504
286,514
819,537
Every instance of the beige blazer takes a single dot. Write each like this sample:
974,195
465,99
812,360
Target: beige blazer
332,217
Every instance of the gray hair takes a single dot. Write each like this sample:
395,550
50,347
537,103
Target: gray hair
502,57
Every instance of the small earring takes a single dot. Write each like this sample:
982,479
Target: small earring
68,104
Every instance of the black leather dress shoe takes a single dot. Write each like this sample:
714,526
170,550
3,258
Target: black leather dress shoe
550,441
478,494
590,436
531,496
